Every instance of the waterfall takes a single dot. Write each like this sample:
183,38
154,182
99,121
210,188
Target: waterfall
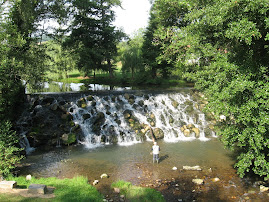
126,119
24,143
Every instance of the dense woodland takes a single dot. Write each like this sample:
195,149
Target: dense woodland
220,45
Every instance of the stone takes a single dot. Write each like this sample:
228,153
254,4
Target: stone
8,184
195,168
196,131
54,107
198,181
216,179
190,126
104,175
28,177
174,168
187,133
117,190
37,189
263,188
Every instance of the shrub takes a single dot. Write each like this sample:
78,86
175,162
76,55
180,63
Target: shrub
9,153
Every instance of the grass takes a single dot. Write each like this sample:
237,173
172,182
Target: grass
76,189
137,194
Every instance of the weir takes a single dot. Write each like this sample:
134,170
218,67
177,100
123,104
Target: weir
127,118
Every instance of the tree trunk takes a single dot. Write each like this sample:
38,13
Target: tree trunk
110,68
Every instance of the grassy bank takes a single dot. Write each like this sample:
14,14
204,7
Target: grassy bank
137,194
78,189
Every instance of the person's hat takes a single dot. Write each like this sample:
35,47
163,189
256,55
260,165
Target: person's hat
155,143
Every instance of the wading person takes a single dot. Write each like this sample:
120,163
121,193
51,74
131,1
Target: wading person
155,152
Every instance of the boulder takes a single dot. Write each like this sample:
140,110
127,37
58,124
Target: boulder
190,126
54,107
127,114
263,188
90,98
175,104
86,116
196,131
37,189
8,184
159,134
104,175
187,133
194,168
198,181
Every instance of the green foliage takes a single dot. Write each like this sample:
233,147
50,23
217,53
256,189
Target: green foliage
9,153
76,189
131,54
222,45
93,37
135,193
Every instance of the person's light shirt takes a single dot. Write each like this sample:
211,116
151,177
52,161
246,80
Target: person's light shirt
155,149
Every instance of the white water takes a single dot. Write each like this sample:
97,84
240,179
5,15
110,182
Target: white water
24,143
116,126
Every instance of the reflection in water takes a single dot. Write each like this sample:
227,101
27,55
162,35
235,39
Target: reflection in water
70,87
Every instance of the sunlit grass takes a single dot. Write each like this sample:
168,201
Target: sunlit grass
137,194
76,189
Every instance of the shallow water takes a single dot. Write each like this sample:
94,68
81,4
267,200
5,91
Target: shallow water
113,159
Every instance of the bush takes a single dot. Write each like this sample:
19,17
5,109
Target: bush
9,153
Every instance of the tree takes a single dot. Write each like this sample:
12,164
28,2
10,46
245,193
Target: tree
131,56
93,37
226,44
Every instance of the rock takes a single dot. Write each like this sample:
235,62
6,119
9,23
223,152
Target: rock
195,168
158,133
104,175
263,188
8,184
196,131
90,98
65,137
198,181
141,103
54,107
95,182
117,190
175,104
190,126
216,179
187,133
37,189
28,177
174,168
127,114
86,116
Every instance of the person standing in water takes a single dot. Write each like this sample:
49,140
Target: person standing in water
155,152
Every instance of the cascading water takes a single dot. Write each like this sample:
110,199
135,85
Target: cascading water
127,119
